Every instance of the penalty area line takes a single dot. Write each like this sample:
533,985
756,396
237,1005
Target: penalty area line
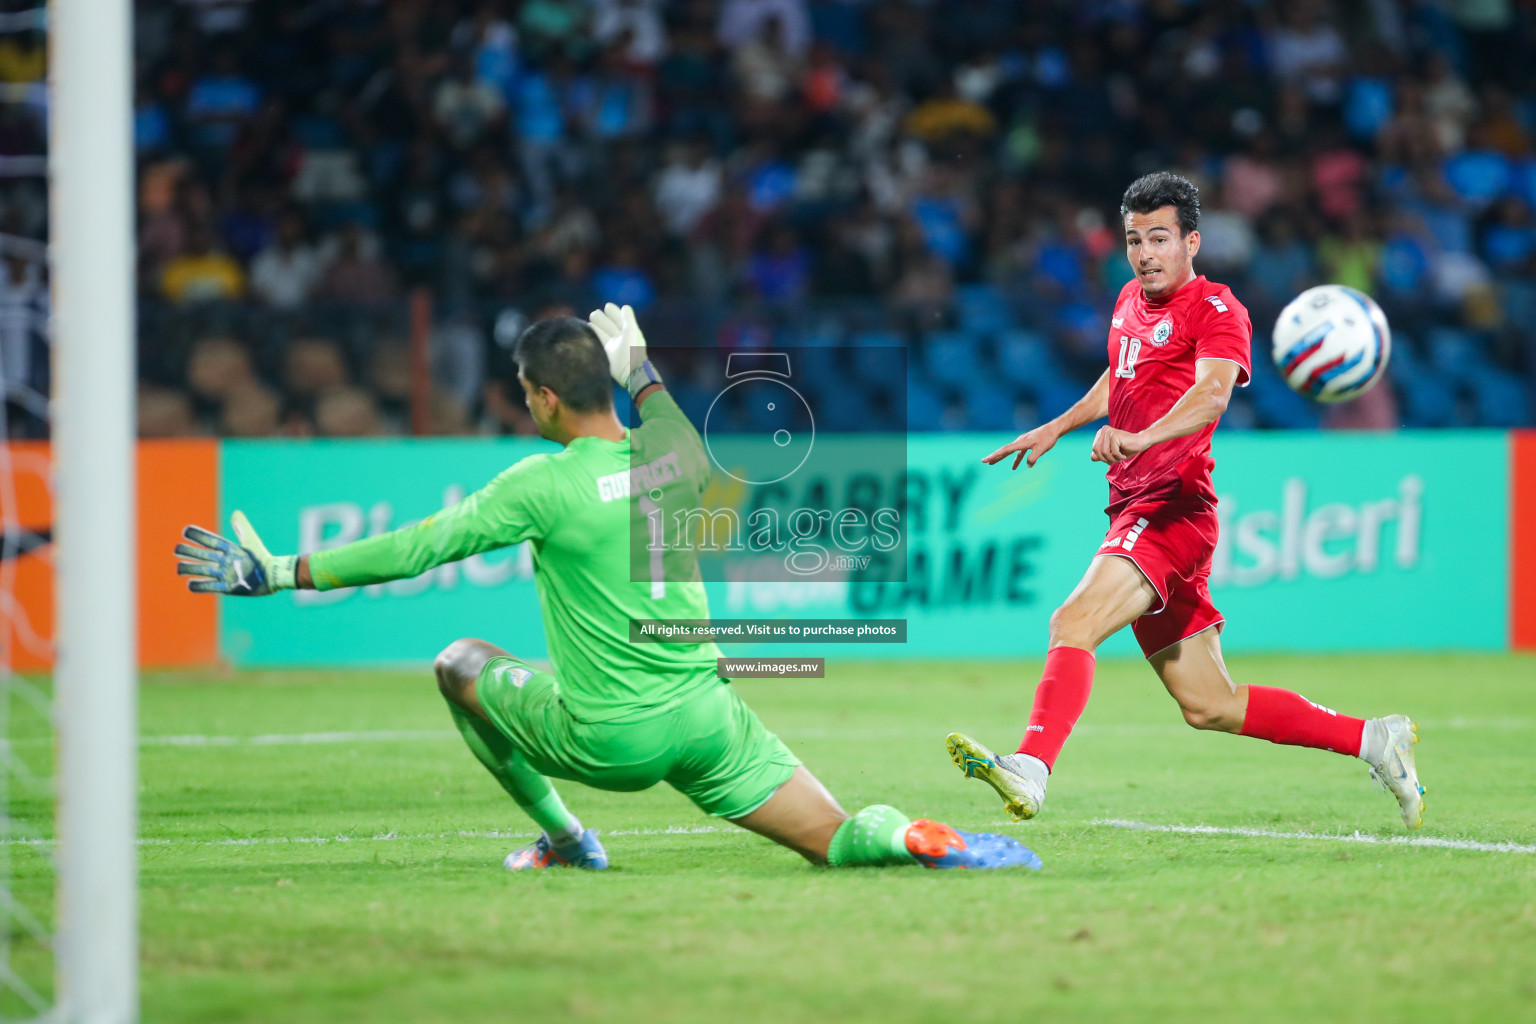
1433,842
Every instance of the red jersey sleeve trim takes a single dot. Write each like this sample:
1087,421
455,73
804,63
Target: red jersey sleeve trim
1224,331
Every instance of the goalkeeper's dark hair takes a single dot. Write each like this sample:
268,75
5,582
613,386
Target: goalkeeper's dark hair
564,355
1152,192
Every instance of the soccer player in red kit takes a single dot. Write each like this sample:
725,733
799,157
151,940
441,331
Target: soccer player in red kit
1178,344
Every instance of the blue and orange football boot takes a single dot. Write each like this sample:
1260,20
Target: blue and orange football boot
585,852
937,845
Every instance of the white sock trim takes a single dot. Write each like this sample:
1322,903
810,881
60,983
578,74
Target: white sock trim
1373,741
1031,767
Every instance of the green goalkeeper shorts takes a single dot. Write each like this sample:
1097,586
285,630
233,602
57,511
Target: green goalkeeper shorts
708,745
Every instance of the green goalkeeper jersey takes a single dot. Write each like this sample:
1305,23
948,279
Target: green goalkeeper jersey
577,511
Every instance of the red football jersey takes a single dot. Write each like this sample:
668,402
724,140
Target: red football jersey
1152,351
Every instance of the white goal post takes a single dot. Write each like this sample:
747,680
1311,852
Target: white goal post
90,162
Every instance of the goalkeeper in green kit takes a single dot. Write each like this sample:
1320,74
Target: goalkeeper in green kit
613,714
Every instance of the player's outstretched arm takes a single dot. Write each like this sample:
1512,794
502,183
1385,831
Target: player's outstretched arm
242,567
502,513
1092,406
1196,409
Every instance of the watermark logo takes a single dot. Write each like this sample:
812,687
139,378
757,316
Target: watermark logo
790,467
761,383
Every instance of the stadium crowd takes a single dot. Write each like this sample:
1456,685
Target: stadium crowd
940,174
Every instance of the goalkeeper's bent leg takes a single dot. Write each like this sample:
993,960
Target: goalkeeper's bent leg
457,668
531,791
874,837
803,816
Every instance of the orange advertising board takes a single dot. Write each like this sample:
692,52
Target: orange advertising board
177,483
1522,540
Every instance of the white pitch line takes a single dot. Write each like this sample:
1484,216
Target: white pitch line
791,732
807,733
299,738
1353,837
689,830
386,837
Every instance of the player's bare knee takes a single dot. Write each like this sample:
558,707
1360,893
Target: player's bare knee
1073,626
1212,717
458,665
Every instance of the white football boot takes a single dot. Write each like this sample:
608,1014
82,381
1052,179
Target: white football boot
1022,795
1396,773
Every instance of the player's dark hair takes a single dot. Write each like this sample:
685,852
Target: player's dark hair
564,355
1154,191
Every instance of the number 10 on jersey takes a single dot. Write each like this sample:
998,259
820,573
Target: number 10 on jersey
1130,348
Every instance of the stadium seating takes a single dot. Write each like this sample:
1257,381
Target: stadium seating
989,407
1025,358
925,406
953,358
822,220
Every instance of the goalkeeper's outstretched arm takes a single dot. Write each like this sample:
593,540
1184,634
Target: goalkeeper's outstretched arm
493,517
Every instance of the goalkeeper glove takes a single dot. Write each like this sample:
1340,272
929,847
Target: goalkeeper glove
616,328
244,569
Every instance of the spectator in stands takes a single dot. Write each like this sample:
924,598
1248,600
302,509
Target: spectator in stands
614,103
765,68
1307,50
925,289
622,279
491,42
216,368
1251,179
354,275
204,273
250,410
389,374
947,115
1448,102
743,21
1509,240
541,113
635,26
552,26
780,272
285,274
23,57
164,412
1352,256
1282,265
313,365
688,187
347,411
465,106
221,102
1226,236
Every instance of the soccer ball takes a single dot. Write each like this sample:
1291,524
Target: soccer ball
1332,343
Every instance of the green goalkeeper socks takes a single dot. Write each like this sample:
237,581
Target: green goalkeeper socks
874,837
532,791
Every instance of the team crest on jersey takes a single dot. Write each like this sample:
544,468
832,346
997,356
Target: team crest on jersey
515,675
1162,332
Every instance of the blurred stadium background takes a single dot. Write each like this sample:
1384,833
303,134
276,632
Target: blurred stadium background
348,209
750,172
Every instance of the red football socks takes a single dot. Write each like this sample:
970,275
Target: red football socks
1281,716
1059,702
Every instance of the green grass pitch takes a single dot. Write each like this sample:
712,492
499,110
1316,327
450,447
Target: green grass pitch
359,879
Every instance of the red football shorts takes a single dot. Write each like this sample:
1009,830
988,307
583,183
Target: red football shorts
1172,544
